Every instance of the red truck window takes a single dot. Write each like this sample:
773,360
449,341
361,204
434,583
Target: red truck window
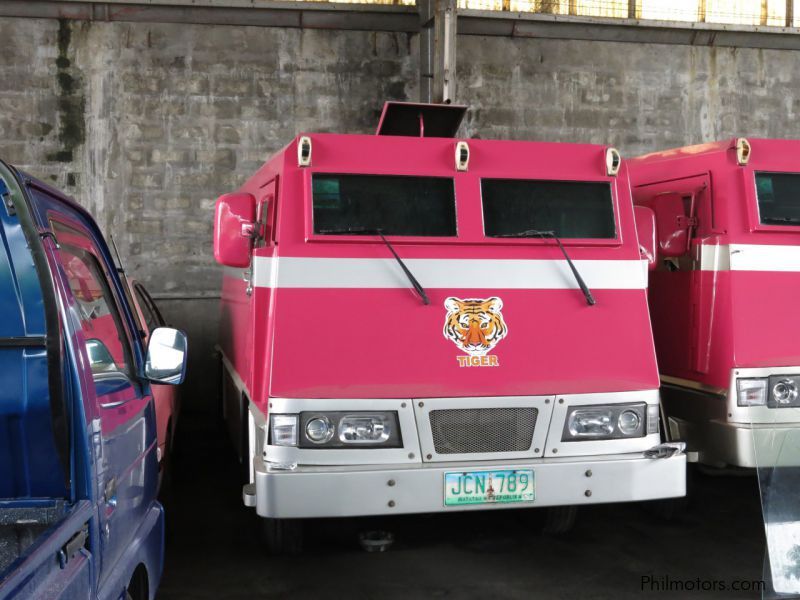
778,198
396,205
570,209
151,315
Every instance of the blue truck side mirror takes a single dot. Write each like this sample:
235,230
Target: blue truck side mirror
166,356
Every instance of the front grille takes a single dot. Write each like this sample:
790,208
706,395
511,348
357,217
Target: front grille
482,430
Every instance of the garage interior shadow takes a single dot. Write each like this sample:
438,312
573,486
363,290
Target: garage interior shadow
614,551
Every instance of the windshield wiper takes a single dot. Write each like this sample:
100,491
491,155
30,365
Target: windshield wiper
790,220
551,234
379,232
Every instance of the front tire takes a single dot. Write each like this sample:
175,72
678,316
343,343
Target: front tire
282,536
559,519
670,509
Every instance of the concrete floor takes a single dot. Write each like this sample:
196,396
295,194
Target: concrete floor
213,550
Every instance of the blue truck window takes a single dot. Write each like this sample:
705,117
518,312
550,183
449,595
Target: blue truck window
107,345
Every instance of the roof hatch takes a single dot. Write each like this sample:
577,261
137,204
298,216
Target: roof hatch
421,120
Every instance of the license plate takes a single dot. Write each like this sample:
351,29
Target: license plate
488,487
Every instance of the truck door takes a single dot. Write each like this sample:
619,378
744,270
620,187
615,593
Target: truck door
126,458
704,281
264,248
679,290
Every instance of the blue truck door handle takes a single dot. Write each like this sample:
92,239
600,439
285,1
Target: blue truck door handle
73,546
110,493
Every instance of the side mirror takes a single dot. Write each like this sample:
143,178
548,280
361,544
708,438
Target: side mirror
234,224
166,356
646,232
672,225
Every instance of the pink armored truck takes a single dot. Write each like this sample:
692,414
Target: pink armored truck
723,298
413,323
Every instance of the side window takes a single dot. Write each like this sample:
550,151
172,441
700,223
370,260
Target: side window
267,210
263,223
150,316
107,343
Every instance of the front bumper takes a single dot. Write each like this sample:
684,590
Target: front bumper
344,491
745,445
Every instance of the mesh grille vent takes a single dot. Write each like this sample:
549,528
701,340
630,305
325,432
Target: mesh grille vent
483,430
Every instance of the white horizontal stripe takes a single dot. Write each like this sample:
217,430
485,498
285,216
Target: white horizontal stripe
714,258
749,257
295,272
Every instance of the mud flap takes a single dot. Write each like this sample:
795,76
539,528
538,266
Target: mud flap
777,455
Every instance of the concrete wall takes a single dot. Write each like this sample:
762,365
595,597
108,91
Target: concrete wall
145,124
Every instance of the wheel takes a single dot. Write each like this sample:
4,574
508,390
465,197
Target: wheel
282,536
220,408
559,519
138,586
669,509
166,473
244,442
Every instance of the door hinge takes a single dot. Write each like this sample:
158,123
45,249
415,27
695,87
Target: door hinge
73,546
248,279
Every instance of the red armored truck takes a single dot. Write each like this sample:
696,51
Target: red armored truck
413,323
723,296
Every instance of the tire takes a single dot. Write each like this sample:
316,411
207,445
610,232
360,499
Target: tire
244,442
166,473
220,409
667,509
282,536
559,519
137,587
670,509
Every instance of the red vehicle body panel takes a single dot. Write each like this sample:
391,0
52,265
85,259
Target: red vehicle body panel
166,398
712,317
326,319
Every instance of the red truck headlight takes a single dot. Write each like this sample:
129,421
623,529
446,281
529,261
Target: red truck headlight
606,422
350,429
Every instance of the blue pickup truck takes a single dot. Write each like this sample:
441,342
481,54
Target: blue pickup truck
78,469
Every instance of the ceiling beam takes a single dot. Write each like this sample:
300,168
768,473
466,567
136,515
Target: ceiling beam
387,17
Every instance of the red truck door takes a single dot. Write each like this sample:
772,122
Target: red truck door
680,292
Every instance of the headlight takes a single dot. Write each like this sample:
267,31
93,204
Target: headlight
351,429
784,391
319,430
364,429
751,392
628,422
591,422
615,421
283,430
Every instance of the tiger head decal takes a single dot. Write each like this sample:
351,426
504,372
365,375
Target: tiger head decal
474,325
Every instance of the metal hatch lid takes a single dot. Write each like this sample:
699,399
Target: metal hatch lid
419,119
